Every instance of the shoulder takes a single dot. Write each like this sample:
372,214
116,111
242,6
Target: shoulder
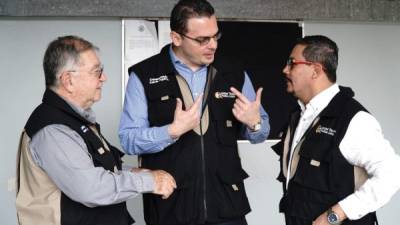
158,62
364,121
227,63
55,135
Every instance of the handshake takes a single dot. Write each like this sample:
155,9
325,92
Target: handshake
164,183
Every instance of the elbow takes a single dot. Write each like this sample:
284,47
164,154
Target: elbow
125,141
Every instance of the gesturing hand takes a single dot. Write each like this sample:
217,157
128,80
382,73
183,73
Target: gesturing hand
164,183
246,111
185,120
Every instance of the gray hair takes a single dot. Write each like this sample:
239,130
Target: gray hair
62,54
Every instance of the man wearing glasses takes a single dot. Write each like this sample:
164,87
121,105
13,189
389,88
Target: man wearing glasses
67,171
336,166
183,113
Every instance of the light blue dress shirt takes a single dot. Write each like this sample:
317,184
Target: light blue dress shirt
135,134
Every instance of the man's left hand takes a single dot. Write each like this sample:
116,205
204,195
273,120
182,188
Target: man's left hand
323,218
246,111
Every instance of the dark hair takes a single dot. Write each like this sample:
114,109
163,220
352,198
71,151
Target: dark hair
61,53
323,50
186,9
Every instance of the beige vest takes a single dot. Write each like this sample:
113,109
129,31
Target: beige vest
38,198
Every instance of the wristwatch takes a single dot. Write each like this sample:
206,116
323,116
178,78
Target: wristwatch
333,218
256,127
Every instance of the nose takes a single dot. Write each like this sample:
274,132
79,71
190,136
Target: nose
286,70
103,77
213,43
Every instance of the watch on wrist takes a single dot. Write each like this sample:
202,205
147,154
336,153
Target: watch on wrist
256,127
333,218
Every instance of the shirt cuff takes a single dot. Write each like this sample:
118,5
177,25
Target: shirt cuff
144,181
350,207
162,134
260,135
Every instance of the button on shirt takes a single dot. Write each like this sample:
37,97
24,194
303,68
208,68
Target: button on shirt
138,138
363,145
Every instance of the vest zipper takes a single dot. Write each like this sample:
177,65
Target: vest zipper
204,173
203,161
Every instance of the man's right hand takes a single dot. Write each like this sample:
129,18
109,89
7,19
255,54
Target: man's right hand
164,183
185,120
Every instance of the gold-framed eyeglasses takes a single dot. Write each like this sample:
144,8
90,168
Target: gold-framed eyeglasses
97,72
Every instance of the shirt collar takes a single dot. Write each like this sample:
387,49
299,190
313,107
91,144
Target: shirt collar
88,114
178,64
321,100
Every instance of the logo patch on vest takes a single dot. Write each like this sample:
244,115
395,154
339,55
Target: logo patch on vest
158,79
325,130
221,94
84,128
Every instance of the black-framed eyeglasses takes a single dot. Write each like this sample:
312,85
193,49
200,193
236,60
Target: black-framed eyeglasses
291,61
203,41
97,72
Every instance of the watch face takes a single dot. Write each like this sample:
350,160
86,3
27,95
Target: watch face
333,218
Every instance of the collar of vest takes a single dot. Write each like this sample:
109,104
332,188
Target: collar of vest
165,62
40,117
52,99
332,110
222,63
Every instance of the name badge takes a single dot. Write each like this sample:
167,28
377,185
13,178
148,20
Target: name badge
164,98
101,150
315,163
235,187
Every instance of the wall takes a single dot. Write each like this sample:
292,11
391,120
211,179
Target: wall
368,63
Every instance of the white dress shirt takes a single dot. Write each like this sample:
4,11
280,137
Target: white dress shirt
363,145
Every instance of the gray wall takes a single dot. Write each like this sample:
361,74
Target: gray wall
368,63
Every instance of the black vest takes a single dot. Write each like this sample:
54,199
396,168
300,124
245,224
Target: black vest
206,167
54,110
323,176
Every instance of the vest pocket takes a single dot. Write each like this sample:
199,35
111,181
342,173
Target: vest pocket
234,202
314,169
161,110
227,132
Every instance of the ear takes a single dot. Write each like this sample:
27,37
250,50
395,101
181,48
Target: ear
176,38
66,81
318,70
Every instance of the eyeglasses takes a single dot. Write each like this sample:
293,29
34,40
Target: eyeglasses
290,62
203,41
97,72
